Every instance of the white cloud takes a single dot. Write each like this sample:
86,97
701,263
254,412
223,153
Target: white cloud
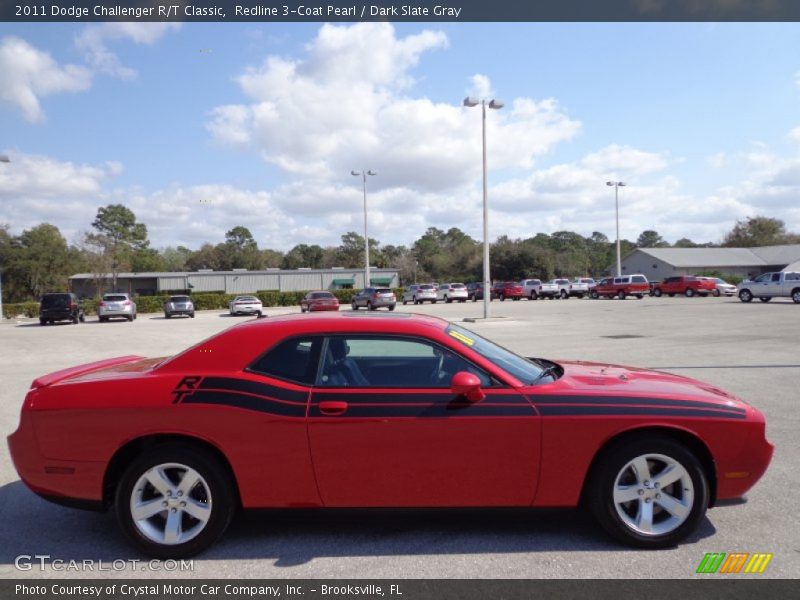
481,87
27,74
93,42
349,103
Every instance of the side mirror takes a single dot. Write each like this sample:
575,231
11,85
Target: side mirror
467,385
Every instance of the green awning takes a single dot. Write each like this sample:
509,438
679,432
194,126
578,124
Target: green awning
342,282
380,280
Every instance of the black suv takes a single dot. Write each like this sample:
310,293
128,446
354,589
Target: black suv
60,307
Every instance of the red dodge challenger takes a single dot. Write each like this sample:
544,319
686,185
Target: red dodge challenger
348,410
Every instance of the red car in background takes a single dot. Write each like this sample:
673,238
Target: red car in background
315,301
621,287
349,410
508,289
686,285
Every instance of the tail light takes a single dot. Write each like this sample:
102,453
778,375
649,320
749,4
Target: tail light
102,303
73,306
127,303
376,295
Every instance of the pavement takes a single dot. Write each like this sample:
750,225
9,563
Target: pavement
751,350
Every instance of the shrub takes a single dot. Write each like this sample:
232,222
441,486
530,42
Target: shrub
21,309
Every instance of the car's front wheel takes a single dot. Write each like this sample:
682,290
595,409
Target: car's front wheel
657,292
621,294
648,492
689,292
174,501
746,296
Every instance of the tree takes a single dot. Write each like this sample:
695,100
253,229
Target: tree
351,251
685,243
757,231
118,235
651,239
239,251
303,255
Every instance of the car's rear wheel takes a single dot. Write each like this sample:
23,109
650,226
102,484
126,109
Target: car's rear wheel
657,292
167,315
353,305
746,296
130,318
391,307
533,296
648,492
796,296
621,294
42,322
371,306
715,293
191,315
594,295
447,300
564,294
689,292
175,501
765,298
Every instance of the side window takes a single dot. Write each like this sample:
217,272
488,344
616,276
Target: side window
294,360
776,277
792,276
763,278
391,362
639,279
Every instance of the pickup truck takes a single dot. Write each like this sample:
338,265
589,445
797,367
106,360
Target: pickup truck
767,286
581,286
556,288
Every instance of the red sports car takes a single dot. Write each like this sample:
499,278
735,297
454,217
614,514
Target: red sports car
348,410
314,301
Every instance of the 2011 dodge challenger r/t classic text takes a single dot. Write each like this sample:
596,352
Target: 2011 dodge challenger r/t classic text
348,410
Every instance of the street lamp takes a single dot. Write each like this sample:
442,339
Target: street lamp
363,175
617,185
3,159
487,284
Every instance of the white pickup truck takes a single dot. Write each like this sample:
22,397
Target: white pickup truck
765,287
581,286
555,288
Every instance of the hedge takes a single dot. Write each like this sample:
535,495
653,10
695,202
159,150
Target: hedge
202,301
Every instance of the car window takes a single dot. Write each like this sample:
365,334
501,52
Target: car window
638,279
294,360
762,278
792,276
56,300
180,299
391,362
776,277
316,295
115,297
426,287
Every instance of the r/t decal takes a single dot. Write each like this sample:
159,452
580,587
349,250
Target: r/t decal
187,386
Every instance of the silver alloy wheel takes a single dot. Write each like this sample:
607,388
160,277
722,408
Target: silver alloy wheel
170,504
653,494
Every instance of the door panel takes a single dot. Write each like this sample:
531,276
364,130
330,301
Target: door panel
424,448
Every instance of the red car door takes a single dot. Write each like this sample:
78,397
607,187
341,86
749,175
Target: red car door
385,430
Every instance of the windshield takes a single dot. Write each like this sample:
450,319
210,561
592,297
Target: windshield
525,370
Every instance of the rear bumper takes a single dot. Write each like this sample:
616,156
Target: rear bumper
70,483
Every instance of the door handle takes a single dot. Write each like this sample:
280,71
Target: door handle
332,407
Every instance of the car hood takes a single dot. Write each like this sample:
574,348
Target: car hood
599,379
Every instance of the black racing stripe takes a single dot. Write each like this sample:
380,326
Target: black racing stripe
553,411
247,402
253,387
452,409
406,397
632,400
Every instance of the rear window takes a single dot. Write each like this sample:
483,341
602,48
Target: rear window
383,291
316,295
115,298
247,299
56,300
458,286
180,299
562,281
426,287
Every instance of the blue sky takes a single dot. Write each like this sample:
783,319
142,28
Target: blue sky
202,127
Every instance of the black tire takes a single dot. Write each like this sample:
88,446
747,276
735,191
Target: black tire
503,298
167,315
42,322
688,292
621,294
447,300
564,295
391,307
715,293
130,318
765,298
191,314
594,295
354,306
371,306
534,296
259,314
657,292
219,491
102,319
613,465
746,296
796,295
75,320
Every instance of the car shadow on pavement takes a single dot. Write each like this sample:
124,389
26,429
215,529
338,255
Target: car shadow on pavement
33,526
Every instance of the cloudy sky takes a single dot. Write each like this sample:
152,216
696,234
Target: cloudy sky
202,127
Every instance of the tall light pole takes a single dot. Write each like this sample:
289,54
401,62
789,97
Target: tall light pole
617,185
363,174
3,159
487,282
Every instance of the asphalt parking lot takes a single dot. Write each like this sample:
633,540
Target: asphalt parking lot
751,350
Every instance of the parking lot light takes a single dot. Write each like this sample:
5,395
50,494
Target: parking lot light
617,185
471,102
363,174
